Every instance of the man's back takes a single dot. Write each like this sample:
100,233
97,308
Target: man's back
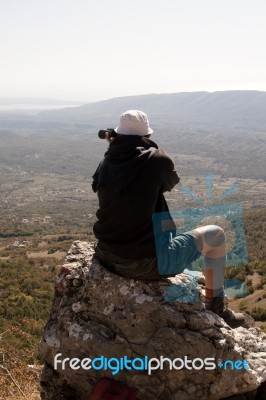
130,182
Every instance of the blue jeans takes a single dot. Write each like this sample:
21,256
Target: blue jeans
173,256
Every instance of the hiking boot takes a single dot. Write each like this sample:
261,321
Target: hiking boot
233,319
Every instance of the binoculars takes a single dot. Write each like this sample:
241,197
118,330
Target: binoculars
107,133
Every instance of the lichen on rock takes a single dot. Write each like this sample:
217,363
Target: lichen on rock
97,313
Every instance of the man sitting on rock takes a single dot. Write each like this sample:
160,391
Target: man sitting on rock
130,182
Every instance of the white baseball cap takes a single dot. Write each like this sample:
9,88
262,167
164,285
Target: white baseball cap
134,122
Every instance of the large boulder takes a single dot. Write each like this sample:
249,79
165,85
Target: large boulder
97,313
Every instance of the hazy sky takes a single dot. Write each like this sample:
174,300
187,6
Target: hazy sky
97,49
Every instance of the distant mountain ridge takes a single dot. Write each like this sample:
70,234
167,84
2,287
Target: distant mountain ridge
237,108
241,110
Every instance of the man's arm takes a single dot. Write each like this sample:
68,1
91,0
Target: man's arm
169,175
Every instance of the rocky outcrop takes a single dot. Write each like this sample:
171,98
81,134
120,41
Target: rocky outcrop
96,313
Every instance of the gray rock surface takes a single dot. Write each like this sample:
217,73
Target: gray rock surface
96,313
